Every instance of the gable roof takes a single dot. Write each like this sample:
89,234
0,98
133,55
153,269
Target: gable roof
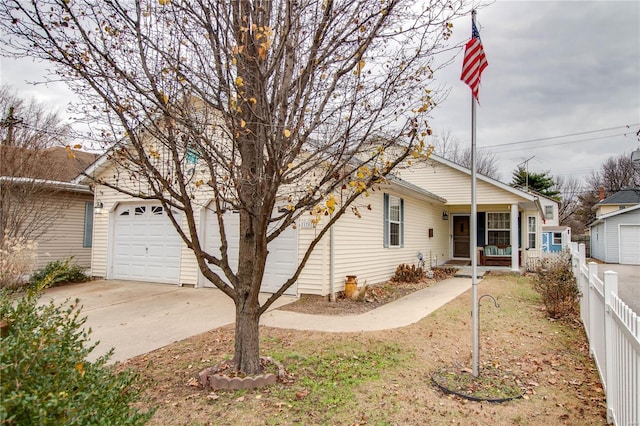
533,198
625,196
479,176
55,164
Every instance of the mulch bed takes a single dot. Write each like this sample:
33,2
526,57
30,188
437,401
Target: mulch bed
376,296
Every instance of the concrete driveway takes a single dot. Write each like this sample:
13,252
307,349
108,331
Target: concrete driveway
136,317
628,283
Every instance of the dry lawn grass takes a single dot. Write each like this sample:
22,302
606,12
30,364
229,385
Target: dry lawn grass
383,378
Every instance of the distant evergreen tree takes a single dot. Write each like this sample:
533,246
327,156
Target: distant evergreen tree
538,182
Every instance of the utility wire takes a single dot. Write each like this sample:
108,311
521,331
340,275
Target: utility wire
628,126
552,144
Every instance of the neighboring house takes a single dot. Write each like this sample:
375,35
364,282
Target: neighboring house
615,233
425,209
38,201
555,238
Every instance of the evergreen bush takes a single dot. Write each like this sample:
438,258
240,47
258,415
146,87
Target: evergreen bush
58,272
46,378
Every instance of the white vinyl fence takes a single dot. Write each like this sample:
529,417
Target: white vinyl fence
613,330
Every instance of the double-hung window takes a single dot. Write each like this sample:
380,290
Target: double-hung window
498,229
531,232
557,238
548,212
393,221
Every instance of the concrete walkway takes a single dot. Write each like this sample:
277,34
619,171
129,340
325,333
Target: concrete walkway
399,313
136,317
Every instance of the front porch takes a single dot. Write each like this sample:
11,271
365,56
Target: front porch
466,270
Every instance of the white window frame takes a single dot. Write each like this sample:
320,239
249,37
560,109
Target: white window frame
532,232
393,220
504,221
548,212
557,238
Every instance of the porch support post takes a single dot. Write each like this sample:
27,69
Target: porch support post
515,252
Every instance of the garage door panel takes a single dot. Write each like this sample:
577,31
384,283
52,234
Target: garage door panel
630,244
146,246
281,261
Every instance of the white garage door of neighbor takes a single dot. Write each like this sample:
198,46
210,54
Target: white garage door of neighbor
630,244
283,251
146,245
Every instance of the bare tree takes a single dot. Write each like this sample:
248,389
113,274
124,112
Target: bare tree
294,99
569,190
450,147
28,123
33,163
615,174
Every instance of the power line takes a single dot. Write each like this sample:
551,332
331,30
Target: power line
553,144
628,126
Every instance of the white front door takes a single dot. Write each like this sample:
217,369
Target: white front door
281,261
146,246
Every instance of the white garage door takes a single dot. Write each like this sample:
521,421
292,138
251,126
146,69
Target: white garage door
146,245
283,251
630,244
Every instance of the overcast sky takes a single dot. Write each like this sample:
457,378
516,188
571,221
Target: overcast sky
555,69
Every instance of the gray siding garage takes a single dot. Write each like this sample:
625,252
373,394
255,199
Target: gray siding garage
615,237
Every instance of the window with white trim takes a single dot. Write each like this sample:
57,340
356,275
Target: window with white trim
393,221
557,238
498,229
531,232
548,212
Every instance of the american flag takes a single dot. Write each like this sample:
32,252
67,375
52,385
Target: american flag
474,61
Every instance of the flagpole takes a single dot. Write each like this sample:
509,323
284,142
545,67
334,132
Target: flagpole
474,235
473,64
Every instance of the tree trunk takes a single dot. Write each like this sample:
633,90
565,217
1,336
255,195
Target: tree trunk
246,358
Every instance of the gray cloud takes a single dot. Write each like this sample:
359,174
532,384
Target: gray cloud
555,68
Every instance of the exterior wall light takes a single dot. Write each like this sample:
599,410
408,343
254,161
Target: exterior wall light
98,207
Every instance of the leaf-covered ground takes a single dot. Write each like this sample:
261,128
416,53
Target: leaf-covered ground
375,296
384,378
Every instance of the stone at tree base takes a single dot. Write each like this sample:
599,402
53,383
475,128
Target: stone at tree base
210,378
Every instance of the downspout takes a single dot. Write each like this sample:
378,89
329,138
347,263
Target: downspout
332,280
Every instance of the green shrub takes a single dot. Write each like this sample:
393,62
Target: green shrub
557,286
46,379
58,272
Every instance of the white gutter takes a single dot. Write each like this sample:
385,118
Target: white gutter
69,186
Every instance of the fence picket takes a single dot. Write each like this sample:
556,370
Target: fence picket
613,331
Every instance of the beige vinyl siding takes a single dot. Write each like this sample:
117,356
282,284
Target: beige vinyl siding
314,278
359,242
65,237
109,198
454,185
606,209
